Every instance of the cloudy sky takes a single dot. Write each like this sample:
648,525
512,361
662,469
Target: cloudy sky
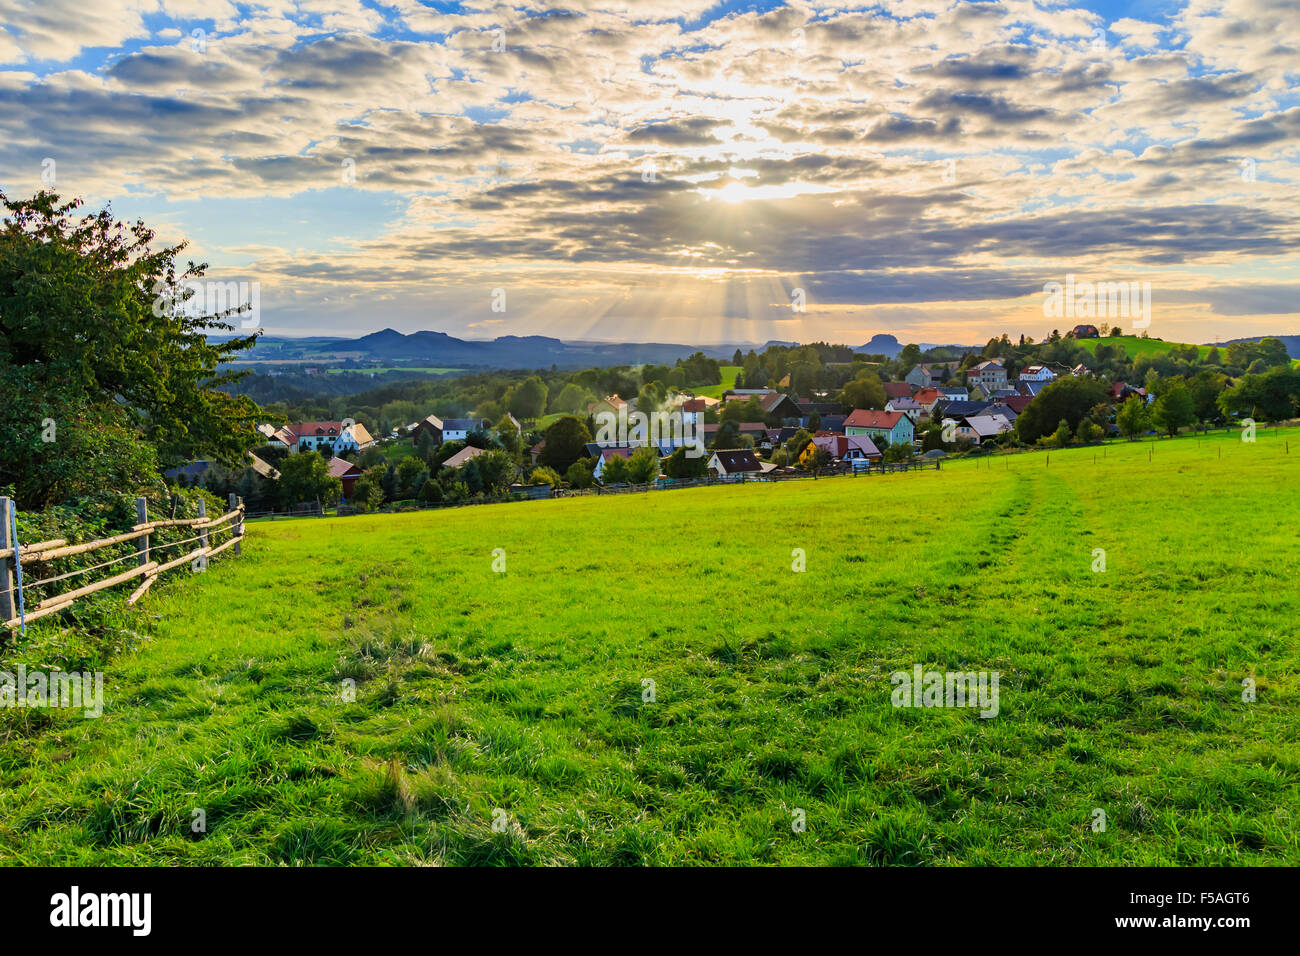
683,170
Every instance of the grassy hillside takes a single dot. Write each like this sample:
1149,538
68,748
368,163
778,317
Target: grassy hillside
1135,347
729,373
522,692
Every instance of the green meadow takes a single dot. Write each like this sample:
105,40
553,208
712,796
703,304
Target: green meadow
729,373
505,716
1136,347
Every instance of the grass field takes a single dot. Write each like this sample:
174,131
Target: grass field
729,373
520,694
1135,346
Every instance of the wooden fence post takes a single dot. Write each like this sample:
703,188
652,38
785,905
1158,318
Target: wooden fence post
8,606
237,523
203,532
142,517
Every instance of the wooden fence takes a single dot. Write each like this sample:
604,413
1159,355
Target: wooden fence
14,556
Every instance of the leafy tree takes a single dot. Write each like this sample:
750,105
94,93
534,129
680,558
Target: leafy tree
615,471
1174,408
545,476
1272,396
367,494
509,437
430,492
82,343
1133,418
643,467
496,471
1067,398
727,436
865,391
411,475
681,465
566,442
306,477
528,398
572,399
578,474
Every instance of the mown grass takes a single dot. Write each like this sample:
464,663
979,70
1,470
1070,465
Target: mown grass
1135,346
729,373
522,692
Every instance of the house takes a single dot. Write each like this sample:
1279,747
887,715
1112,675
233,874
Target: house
907,406
610,405
954,393
953,409
1080,370
1031,389
346,472
264,468
898,390
927,397
1083,332
755,430
449,429
700,403
1037,373
745,394
896,427
735,461
808,407
846,448
932,375
1017,403
605,454
320,436
536,451
828,423
989,375
1002,411
978,428
779,406
462,456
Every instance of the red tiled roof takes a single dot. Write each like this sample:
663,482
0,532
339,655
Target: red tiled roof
872,418
898,390
341,468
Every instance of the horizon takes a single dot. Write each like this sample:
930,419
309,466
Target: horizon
698,173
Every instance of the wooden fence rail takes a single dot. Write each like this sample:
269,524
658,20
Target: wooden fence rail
16,558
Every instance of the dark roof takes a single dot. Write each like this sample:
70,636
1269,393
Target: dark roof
738,459
954,409
192,470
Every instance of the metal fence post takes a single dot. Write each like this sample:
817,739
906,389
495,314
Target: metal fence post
142,517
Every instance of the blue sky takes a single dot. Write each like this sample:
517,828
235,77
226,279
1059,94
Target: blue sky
673,170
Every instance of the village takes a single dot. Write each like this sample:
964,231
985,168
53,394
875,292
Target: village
754,433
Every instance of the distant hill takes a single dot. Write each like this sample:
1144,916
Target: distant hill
889,346
446,351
